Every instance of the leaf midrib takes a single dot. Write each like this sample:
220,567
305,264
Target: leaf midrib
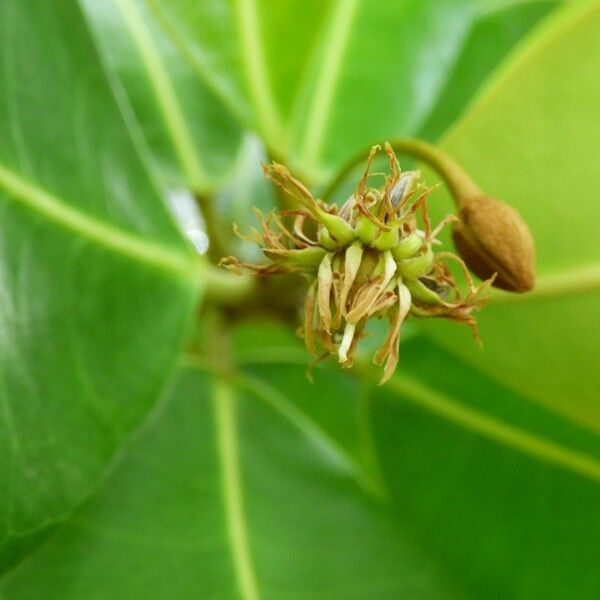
231,486
256,72
298,419
490,427
331,49
165,97
43,203
496,429
237,109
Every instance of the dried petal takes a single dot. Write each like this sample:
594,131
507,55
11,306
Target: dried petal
362,306
282,177
352,263
346,341
391,346
325,281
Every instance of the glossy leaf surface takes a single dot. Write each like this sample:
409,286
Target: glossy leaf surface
249,482
493,35
265,486
97,282
320,80
191,135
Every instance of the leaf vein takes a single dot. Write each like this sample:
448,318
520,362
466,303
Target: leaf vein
492,428
334,44
257,77
102,234
166,98
227,439
289,411
574,281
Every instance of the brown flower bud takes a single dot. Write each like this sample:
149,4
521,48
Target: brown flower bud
492,238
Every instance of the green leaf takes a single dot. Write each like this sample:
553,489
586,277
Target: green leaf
501,491
231,493
530,139
192,137
97,282
252,53
375,75
262,485
320,80
493,34
494,487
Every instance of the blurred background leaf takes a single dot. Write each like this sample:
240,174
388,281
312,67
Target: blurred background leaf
530,139
494,33
252,53
304,74
97,283
441,485
320,80
232,493
191,135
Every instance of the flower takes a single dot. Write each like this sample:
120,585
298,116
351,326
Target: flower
373,258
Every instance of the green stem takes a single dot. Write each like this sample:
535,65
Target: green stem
460,185
225,288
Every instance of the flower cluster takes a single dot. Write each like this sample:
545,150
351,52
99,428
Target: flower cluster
373,258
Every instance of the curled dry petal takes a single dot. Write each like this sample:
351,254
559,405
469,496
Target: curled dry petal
346,342
340,229
391,346
324,283
281,176
351,266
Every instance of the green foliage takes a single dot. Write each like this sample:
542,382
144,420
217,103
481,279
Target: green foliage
347,75
472,474
190,136
493,35
520,141
97,282
263,485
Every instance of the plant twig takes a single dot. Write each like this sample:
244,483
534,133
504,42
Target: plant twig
227,289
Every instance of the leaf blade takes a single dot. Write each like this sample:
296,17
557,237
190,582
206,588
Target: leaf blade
85,267
286,559
525,138
192,140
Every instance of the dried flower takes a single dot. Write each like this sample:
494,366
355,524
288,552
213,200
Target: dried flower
373,258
